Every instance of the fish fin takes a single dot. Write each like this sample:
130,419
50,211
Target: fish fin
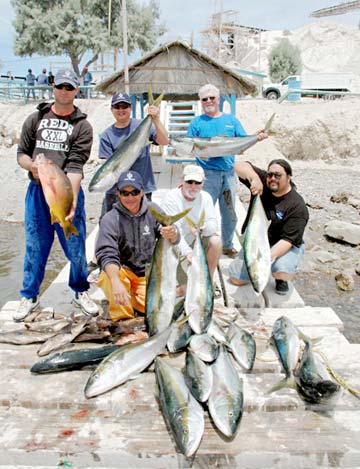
268,125
283,383
69,229
197,225
167,220
53,218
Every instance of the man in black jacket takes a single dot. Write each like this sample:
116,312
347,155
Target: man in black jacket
286,210
126,241
61,132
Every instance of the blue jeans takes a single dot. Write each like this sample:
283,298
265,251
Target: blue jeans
39,234
221,185
287,263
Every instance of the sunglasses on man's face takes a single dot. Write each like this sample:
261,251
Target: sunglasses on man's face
134,193
277,176
65,87
120,106
209,98
193,182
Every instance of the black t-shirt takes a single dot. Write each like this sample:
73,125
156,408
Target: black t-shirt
288,213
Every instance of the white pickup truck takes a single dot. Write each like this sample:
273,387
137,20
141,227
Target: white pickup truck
340,82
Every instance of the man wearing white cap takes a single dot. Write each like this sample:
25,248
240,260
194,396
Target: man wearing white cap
189,194
220,180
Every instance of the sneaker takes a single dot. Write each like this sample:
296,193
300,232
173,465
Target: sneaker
26,306
91,265
281,287
230,252
87,305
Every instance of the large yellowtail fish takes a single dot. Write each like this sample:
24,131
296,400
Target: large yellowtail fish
125,154
256,246
161,285
215,146
57,191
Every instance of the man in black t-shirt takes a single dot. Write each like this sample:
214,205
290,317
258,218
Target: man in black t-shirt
286,210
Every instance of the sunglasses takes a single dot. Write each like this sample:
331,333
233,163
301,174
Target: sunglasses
134,193
193,182
277,176
209,98
120,106
64,87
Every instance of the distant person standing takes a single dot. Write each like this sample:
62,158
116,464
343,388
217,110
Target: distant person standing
30,83
87,78
220,178
61,132
42,80
51,83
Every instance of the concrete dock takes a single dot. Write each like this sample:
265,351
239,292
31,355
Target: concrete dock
47,422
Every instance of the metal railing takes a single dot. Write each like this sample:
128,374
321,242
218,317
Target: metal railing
16,92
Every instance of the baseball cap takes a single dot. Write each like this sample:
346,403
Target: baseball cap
130,178
120,98
66,76
193,172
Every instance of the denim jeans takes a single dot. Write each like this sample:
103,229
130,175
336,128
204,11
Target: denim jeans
39,234
221,185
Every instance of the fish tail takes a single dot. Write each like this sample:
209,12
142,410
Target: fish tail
197,225
69,229
283,383
152,101
268,125
167,220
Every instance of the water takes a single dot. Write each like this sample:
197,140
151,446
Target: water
12,242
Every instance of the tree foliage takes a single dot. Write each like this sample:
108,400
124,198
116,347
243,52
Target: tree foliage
284,60
75,27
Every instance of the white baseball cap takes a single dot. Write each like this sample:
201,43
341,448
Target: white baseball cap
193,172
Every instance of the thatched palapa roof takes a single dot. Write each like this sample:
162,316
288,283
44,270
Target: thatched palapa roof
177,70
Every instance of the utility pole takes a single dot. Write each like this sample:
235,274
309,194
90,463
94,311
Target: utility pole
125,45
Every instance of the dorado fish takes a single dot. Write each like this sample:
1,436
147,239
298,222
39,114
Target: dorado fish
72,359
198,377
226,399
215,146
58,193
313,381
184,415
125,154
161,284
242,345
125,363
257,254
199,299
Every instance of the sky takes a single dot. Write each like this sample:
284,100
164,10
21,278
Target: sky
185,19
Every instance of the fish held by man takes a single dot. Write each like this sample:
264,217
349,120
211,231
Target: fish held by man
215,146
257,253
161,285
58,193
125,154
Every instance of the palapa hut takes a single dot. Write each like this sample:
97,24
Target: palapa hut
178,70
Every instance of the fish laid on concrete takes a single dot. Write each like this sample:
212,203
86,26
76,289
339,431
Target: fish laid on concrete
125,154
199,298
204,347
161,283
257,255
125,363
313,381
226,399
72,359
58,193
180,336
183,413
242,345
214,146
48,325
198,377
24,337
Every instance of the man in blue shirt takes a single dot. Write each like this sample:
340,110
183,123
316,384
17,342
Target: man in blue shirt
30,82
42,80
220,179
87,77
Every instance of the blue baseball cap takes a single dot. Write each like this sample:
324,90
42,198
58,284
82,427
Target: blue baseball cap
66,76
130,178
120,98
